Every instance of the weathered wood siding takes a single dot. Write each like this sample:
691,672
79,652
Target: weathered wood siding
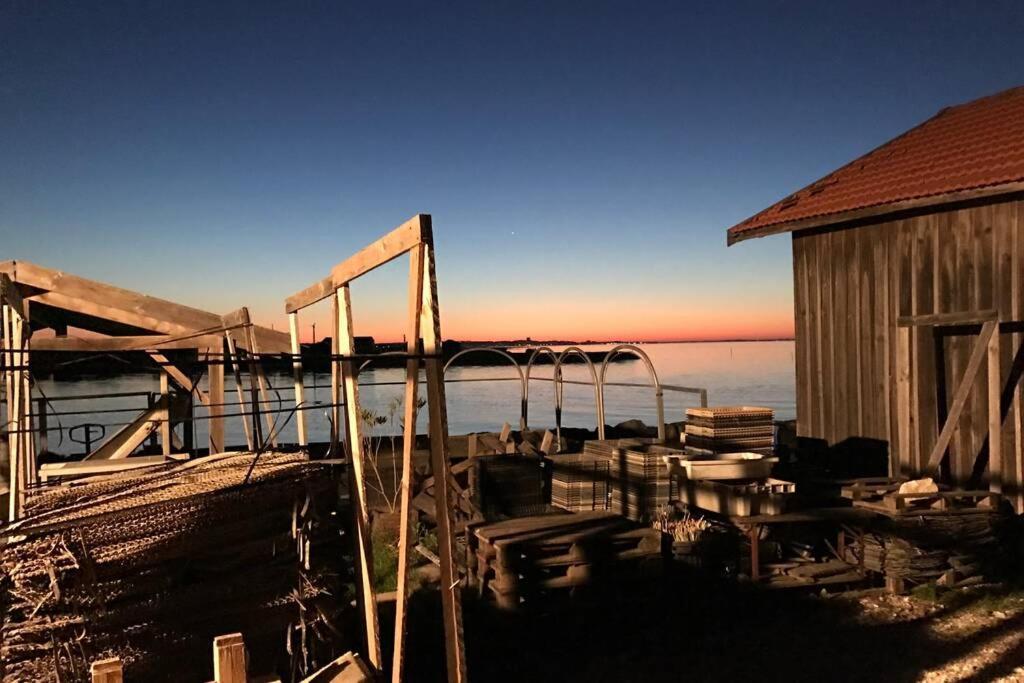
850,286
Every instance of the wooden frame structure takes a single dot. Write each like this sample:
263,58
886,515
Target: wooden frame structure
36,298
414,237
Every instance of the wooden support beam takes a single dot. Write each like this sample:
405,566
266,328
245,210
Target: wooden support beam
995,414
239,391
400,240
947,319
156,342
348,668
354,439
300,413
451,598
107,671
165,413
904,461
79,468
261,383
412,373
215,359
229,659
963,390
179,377
10,294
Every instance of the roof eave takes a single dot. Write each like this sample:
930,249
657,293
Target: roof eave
735,236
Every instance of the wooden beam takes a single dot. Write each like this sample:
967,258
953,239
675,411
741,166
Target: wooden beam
300,413
80,468
451,598
405,536
165,413
354,436
180,378
414,231
229,339
947,319
838,219
229,659
995,415
215,359
9,293
132,343
963,391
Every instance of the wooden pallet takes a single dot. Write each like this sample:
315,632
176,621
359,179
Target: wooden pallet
886,499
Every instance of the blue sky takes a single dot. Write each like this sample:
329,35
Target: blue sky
581,160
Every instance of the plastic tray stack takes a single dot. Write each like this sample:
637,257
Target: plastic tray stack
729,429
640,482
580,482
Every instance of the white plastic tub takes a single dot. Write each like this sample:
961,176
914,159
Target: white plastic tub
728,466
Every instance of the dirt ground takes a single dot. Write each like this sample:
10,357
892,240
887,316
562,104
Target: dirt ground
691,628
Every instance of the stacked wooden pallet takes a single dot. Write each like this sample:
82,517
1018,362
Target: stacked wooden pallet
640,482
150,567
519,560
952,536
729,429
580,482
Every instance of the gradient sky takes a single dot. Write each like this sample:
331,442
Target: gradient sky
582,160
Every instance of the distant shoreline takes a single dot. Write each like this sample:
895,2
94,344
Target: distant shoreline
591,342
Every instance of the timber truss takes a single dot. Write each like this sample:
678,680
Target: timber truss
35,298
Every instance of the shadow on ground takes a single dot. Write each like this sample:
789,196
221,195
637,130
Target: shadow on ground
689,627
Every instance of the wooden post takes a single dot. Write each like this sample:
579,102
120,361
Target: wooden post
261,381
11,426
229,665
354,437
336,414
165,412
239,391
412,374
300,413
995,421
107,671
451,597
903,380
215,360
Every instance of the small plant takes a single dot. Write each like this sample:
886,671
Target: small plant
684,528
394,421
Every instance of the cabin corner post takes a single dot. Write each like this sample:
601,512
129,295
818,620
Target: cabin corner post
300,415
410,408
354,441
451,597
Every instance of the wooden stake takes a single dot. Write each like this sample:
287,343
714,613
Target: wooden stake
412,372
353,432
300,414
229,660
107,671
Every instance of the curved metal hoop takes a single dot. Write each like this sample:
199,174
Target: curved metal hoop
523,383
577,351
554,378
658,395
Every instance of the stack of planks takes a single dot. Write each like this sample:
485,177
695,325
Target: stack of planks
730,429
640,481
956,549
519,560
149,566
580,482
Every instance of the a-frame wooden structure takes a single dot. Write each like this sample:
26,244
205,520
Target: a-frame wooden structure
36,298
415,238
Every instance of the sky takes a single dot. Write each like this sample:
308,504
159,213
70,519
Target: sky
581,160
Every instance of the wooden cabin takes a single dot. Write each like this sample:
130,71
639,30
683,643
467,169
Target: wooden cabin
909,296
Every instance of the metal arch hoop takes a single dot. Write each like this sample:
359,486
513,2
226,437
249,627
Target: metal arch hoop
598,399
523,385
554,379
658,395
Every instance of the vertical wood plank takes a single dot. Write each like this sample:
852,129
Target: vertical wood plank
215,359
451,599
354,441
903,464
336,412
1017,304
405,537
995,438
300,400
165,412
239,389
107,671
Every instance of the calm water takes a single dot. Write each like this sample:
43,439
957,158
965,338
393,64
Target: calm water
753,373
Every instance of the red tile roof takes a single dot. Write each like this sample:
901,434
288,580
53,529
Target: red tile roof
975,145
